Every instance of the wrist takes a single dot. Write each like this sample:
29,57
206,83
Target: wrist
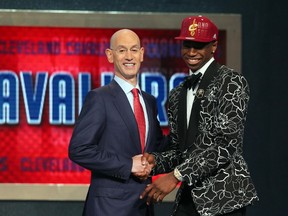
178,175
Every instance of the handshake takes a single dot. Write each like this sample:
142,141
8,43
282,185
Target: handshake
142,165
157,190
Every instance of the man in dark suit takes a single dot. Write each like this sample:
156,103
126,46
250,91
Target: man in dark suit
206,114
106,139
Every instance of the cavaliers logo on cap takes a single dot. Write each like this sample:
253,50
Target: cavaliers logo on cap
193,27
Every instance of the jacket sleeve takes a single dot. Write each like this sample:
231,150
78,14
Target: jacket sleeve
170,155
84,148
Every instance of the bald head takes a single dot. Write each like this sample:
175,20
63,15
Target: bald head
121,34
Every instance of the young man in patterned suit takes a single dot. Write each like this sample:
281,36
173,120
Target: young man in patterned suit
206,119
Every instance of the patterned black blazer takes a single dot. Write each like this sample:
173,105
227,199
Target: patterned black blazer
209,153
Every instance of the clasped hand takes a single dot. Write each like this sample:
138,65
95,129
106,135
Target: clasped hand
142,165
156,191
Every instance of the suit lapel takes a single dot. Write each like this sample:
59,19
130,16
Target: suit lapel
150,120
122,105
209,75
182,122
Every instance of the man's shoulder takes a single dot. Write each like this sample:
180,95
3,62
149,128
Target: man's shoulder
225,70
177,89
105,88
148,96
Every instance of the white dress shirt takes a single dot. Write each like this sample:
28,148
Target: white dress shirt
191,93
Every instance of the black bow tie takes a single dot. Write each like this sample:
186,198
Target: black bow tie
192,80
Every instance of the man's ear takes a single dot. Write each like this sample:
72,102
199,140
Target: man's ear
109,55
214,46
142,54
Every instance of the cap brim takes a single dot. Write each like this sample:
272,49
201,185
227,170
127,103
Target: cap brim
193,39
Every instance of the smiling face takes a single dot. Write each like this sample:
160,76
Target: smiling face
197,54
126,54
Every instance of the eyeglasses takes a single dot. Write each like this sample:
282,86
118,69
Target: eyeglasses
124,50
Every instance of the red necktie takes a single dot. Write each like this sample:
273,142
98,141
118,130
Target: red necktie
139,115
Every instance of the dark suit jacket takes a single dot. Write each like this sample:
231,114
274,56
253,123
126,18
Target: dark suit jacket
104,140
209,153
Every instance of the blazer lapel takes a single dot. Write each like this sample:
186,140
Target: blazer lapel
122,105
209,75
182,122
150,121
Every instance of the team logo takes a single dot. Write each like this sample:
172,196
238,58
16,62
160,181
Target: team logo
200,93
193,28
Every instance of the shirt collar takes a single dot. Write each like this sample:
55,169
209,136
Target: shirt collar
126,86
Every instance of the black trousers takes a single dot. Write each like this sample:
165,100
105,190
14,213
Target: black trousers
187,208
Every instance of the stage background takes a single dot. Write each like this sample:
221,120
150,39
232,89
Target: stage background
50,58
263,63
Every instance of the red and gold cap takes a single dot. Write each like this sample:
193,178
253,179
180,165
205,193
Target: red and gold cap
198,29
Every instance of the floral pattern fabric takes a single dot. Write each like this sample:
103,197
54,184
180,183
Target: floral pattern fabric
213,164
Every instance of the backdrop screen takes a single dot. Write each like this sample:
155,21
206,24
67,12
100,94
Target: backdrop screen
45,74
